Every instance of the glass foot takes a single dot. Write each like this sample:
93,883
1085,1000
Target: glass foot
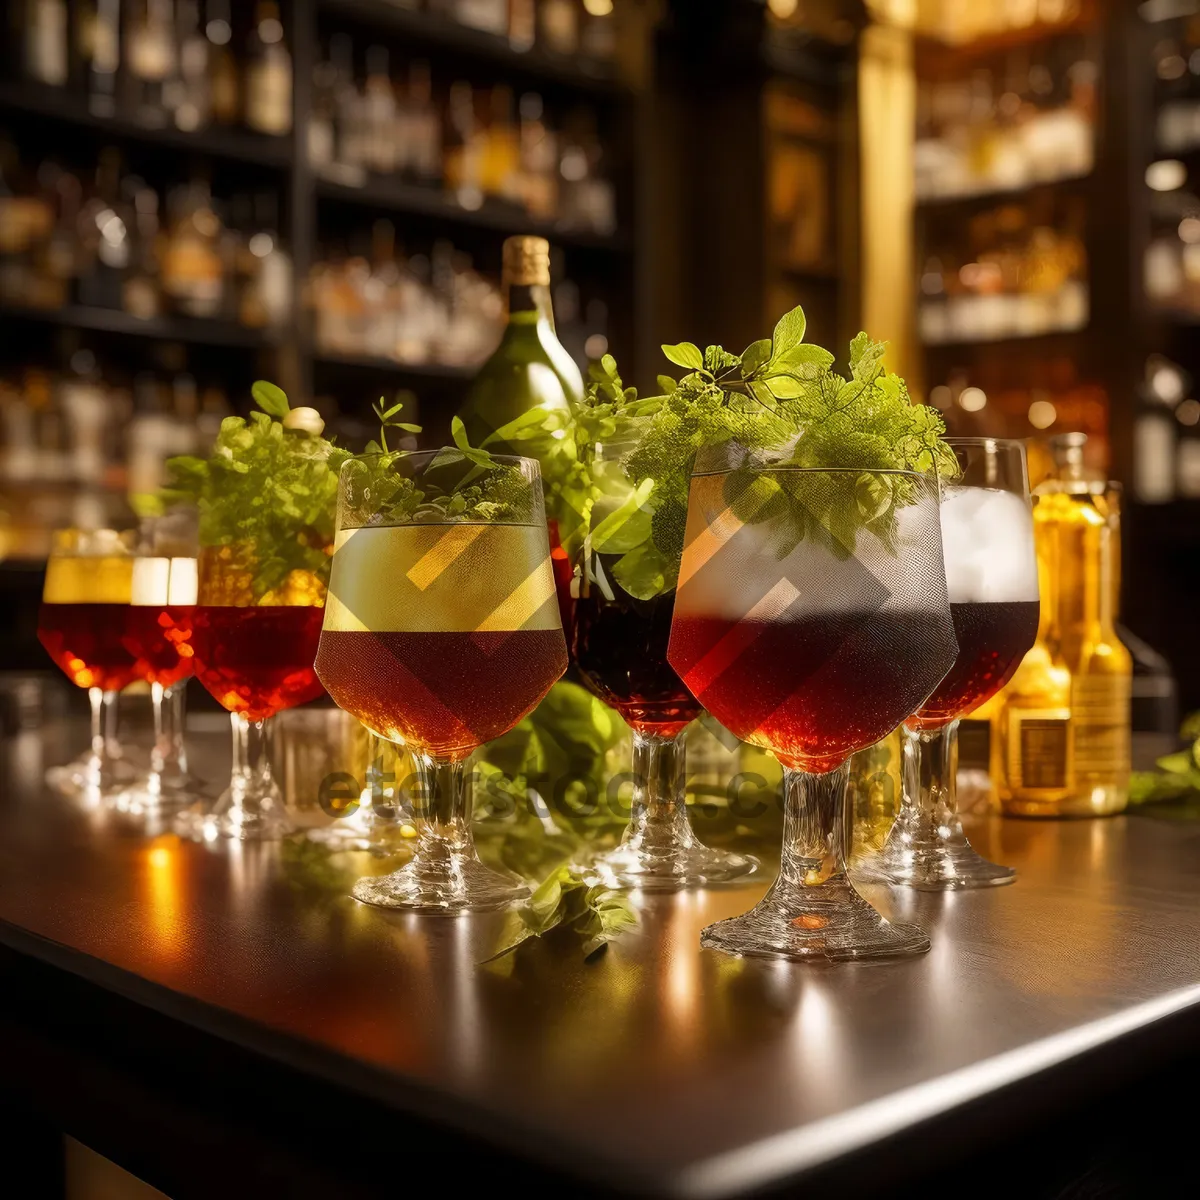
830,921
932,858
642,862
234,816
363,831
453,883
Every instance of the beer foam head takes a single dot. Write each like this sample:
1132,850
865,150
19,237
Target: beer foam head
987,540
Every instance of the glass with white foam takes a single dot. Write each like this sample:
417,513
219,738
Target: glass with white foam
991,578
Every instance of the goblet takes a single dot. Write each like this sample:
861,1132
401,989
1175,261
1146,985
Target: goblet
158,633
81,624
618,643
991,574
442,631
811,618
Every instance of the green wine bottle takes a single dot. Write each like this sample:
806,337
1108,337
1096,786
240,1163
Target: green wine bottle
530,368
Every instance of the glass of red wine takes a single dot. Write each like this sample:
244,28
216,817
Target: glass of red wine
442,631
811,619
81,624
253,651
618,643
992,579
158,633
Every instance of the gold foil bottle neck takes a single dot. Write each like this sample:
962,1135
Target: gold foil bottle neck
527,262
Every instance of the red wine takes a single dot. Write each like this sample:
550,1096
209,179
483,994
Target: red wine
86,641
160,638
992,640
257,660
444,693
812,690
620,649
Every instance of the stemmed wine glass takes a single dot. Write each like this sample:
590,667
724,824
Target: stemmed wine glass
442,631
811,618
158,633
619,645
991,574
81,624
254,651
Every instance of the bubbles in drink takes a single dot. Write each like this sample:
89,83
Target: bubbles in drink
987,540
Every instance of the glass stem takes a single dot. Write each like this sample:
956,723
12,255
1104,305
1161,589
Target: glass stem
252,756
930,802
169,737
814,827
443,808
111,746
96,700
659,809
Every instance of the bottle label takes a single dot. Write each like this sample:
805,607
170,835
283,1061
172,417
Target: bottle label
1038,749
1100,707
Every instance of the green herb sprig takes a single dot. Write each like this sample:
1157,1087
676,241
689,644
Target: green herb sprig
269,488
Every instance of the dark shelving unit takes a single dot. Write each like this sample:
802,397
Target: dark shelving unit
311,205
197,331
32,100
432,32
410,199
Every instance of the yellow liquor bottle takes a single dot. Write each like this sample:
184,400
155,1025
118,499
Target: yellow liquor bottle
1060,735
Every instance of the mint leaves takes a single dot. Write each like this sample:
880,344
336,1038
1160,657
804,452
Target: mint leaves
596,914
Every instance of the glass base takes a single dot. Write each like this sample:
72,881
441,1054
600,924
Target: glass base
639,862
454,883
932,858
233,815
91,775
829,921
363,831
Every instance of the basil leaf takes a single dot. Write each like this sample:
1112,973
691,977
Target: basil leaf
684,354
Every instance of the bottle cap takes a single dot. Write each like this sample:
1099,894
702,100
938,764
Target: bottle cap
527,261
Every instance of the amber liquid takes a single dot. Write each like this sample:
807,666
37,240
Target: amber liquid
813,690
257,661
160,638
87,643
442,693
992,640
620,649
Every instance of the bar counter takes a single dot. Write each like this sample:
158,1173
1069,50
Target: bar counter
224,1020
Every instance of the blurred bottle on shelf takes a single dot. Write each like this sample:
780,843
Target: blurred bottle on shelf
490,16
193,275
189,97
558,27
522,24
420,130
463,153
224,83
100,52
1061,734
268,73
150,61
46,46
105,241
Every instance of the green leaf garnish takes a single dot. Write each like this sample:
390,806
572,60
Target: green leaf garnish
685,355
270,398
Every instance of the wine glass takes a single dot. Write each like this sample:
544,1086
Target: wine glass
255,632
158,633
991,574
442,631
618,644
811,618
81,624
